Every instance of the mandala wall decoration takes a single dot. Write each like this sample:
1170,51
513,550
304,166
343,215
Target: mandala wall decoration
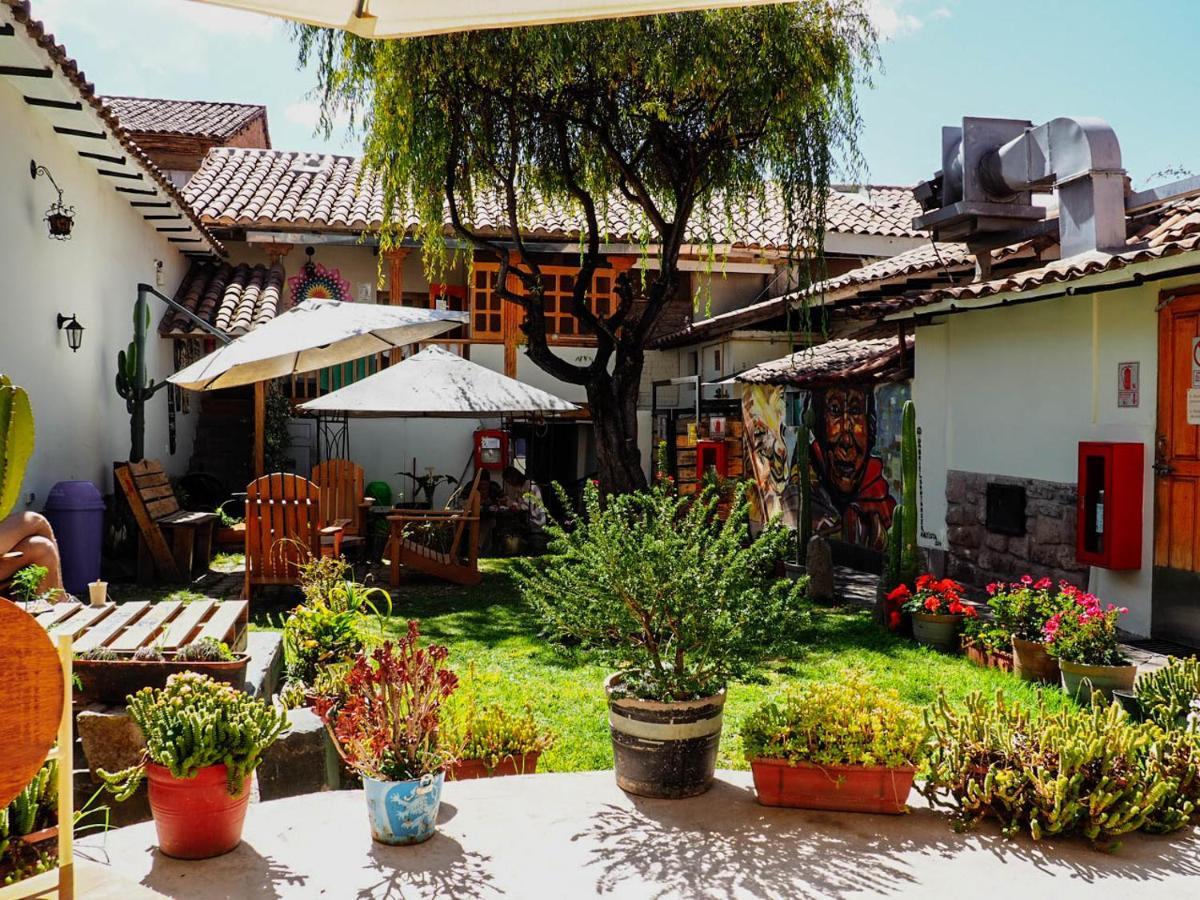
315,282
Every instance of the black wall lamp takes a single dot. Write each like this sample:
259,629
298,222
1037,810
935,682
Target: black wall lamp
59,218
74,330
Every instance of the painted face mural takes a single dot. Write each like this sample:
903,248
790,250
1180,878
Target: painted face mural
846,436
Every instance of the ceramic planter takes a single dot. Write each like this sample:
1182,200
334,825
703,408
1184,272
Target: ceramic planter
937,631
466,769
196,818
404,812
1031,662
664,749
1082,681
870,789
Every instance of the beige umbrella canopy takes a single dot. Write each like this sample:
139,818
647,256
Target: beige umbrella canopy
312,335
437,383
413,18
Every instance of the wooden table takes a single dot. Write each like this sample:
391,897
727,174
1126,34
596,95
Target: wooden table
168,624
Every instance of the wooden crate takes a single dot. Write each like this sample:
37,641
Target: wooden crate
169,624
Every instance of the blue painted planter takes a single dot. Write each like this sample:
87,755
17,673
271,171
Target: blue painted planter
403,812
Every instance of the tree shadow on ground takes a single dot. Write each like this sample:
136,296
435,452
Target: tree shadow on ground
440,867
667,850
176,878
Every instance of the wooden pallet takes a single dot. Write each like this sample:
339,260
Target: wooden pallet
169,624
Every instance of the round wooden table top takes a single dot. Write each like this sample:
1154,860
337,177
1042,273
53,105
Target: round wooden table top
31,698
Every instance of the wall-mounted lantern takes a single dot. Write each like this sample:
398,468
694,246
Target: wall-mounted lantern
74,330
59,218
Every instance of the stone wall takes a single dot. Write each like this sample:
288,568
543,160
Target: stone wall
978,556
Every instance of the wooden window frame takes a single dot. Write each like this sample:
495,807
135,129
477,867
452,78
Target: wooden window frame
504,318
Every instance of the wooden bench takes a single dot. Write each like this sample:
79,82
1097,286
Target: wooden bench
175,543
459,562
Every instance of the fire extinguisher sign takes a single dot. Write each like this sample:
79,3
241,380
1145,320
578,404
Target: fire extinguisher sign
1196,362
1127,384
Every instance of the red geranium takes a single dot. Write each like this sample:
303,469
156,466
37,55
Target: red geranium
936,596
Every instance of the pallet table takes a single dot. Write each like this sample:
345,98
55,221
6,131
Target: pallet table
168,624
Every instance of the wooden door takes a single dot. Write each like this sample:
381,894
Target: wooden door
1177,469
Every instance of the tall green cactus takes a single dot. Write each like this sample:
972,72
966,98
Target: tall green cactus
132,384
908,479
16,442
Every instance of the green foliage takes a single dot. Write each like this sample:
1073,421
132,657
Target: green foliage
987,635
1088,771
27,583
16,442
207,649
849,722
132,384
681,601
1171,695
195,722
276,415
488,731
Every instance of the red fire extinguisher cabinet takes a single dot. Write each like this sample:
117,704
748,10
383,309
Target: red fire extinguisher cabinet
711,455
1108,526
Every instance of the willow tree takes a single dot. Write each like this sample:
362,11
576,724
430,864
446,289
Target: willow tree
686,121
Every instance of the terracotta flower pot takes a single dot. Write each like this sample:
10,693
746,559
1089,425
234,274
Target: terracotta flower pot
196,818
664,749
974,652
1000,659
871,789
1082,681
1031,662
466,769
937,631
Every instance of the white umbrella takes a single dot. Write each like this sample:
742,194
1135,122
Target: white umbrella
438,383
312,335
412,18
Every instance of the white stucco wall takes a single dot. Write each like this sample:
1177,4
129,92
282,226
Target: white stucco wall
1013,391
82,425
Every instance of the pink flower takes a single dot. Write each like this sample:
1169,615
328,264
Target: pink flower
1027,580
992,588
1042,584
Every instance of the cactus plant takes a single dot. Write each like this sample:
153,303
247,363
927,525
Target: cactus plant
195,722
207,649
16,442
152,653
908,480
132,384
1168,696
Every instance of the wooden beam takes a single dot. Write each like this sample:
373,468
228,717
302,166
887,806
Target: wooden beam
133,176
260,422
72,105
185,228
6,30
79,132
395,259
155,204
160,218
103,157
185,240
24,72
141,192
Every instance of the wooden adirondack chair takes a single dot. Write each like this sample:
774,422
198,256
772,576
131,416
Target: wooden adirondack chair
173,542
459,562
343,501
283,529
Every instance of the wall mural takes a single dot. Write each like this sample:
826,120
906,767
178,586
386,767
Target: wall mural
854,458
315,282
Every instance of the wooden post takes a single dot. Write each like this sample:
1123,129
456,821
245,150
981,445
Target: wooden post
395,259
66,776
260,424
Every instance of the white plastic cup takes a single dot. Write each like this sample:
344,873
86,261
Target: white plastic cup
98,592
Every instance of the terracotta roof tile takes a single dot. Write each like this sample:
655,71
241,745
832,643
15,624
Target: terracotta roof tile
237,187
197,118
838,360
234,299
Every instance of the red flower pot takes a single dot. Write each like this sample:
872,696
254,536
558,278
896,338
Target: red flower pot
465,769
870,789
975,652
195,817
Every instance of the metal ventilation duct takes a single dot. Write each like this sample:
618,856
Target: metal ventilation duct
991,167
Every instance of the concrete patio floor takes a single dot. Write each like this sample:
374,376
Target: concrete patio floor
578,835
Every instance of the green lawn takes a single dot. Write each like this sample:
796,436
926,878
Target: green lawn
489,627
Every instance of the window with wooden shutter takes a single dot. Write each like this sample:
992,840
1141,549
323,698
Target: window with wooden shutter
559,281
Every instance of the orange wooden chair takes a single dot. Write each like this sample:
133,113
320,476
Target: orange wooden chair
343,501
284,529
458,528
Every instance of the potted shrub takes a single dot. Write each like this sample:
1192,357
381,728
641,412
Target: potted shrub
937,611
1084,641
385,724
204,740
848,746
1022,608
681,602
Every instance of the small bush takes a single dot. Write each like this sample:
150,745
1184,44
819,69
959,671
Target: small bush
153,653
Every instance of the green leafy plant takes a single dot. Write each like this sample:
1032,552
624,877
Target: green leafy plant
427,484
1170,696
488,731
27,584
195,722
835,724
1046,772
207,649
678,599
16,442
1023,607
986,635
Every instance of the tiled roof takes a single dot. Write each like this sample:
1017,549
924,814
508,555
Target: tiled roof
234,299
275,189
154,182
838,360
196,118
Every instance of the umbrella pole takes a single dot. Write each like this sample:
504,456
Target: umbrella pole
260,422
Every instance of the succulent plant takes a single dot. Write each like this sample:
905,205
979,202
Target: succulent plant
16,442
207,649
1171,694
152,653
132,384
100,654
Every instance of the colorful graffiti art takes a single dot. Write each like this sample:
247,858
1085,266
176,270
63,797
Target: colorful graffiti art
770,454
852,500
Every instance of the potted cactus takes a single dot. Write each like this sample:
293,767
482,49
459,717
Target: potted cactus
937,610
847,746
386,725
203,742
1169,696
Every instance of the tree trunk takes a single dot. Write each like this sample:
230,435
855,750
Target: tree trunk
613,401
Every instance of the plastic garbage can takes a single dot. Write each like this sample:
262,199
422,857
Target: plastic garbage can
75,510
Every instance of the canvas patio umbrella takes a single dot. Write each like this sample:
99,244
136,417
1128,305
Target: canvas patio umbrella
312,335
413,18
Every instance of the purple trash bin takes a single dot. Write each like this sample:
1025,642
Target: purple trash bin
75,510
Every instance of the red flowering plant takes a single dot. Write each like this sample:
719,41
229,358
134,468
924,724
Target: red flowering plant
1023,607
1086,633
386,717
935,596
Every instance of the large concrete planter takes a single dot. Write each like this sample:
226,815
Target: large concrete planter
1031,662
1081,681
664,749
937,631
803,785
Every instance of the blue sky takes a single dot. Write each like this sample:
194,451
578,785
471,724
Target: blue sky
1133,64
